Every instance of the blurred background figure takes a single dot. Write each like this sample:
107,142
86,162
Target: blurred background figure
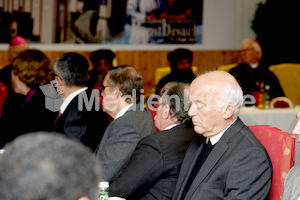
48,166
102,61
30,69
252,75
181,68
16,46
154,166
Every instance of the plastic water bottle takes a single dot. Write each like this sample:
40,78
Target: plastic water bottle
267,97
103,190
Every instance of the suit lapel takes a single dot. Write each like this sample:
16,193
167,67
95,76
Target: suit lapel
188,165
207,166
218,151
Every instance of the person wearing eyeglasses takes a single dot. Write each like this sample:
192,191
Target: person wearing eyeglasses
80,115
251,74
121,91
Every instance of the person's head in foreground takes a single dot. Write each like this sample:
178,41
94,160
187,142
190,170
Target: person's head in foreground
48,166
216,99
251,51
173,105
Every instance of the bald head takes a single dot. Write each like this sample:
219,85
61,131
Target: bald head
222,86
216,98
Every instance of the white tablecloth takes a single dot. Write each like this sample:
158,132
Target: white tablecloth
284,119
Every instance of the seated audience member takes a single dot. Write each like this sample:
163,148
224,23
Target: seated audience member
252,75
154,166
292,181
102,60
48,166
16,46
81,116
121,92
181,68
30,69
231,163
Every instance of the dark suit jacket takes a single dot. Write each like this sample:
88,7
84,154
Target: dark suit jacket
120,139
153,169
86,125
238,167
20,117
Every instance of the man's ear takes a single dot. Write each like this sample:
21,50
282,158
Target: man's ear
229,111
166,112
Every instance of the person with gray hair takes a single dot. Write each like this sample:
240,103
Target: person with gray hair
251,74
121,91
227,161
80,115
154,166
45,166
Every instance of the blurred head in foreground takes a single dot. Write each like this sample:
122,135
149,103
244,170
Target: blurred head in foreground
44,166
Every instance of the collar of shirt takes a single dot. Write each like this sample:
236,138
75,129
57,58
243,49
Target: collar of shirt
123,111
216,138
69,98
254,66
171,126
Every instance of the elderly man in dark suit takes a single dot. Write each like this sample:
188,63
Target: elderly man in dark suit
231,163
80,116
122,87
153,169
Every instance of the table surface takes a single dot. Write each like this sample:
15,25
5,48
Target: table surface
282,118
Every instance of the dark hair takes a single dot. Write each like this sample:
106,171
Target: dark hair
177,55
126,78
172,92
48,166
33,68
95,56
72,68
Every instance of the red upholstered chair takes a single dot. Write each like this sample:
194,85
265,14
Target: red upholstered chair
3,95
281,149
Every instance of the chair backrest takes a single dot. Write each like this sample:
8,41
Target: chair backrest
281,149
227,67
3,95
288,75
163,71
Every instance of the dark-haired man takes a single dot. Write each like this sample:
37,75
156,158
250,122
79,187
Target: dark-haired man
81,116
181,68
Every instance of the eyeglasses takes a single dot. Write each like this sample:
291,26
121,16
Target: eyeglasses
102,87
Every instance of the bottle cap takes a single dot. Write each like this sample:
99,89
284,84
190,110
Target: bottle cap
104,184
267,87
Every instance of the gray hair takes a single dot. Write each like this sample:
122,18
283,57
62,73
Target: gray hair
127,79
72,68
175,95
48,166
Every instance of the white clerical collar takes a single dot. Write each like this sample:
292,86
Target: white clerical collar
216,138
123,111
254,65
171,126
69,98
